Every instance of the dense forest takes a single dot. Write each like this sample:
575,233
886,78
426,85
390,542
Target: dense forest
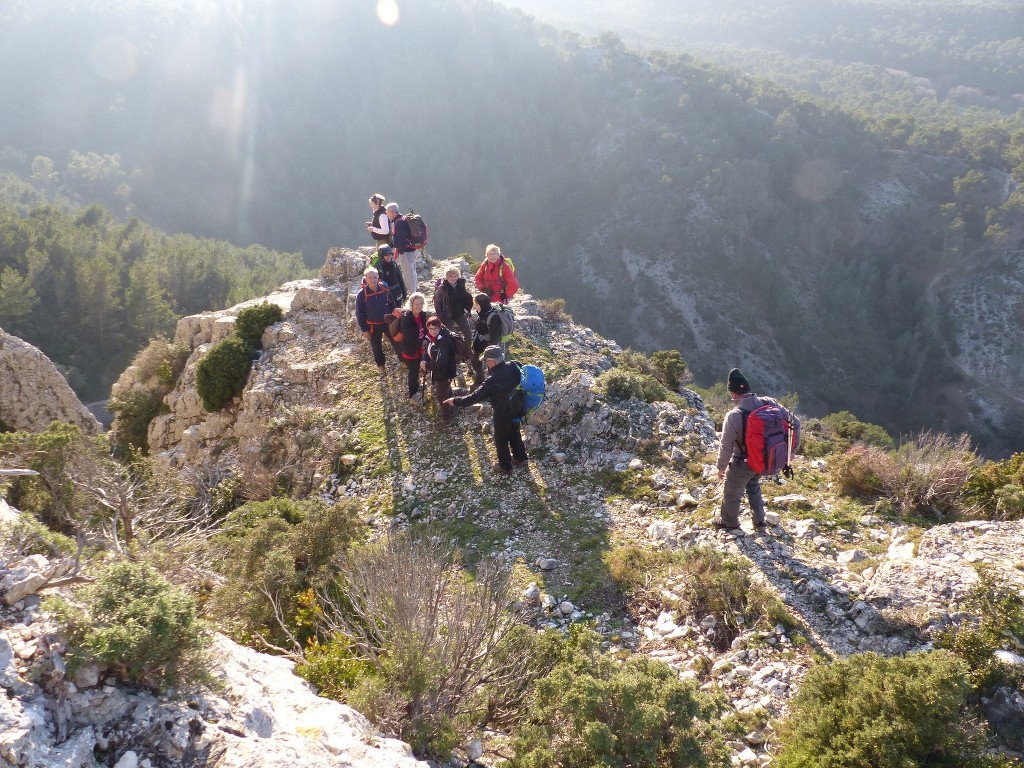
861,256
91,291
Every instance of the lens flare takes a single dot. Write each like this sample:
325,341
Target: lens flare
387,12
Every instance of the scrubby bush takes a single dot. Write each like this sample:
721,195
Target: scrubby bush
133,411
223,372
926,472
848,428
707,583
252,321
271,553
133,622
157,368
436,653
50,495
669,367
995,490
592,710
553,310
998,624
867,711
623,384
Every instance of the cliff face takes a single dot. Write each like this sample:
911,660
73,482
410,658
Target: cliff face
33,392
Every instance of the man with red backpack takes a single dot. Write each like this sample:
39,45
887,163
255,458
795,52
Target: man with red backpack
759,437
405,245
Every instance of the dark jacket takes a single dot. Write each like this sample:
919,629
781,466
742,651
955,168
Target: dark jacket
487,331
452,302
440,356
499,384
400,235
373,307
391,274
413,331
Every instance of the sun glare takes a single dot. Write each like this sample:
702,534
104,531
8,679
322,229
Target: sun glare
387,12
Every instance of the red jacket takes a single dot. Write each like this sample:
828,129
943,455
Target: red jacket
497,280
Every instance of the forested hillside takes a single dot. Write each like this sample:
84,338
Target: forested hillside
672,203
92,291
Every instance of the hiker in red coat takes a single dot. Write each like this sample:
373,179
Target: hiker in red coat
497,276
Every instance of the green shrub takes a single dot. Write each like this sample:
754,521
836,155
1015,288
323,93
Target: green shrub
553,311
135,623
995,490
669,367
623,384
223,372
998,625
51,453
276,551
591,710
847,427
867,711
252,321
133,411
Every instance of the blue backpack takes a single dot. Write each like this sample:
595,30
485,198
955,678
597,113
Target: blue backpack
529,394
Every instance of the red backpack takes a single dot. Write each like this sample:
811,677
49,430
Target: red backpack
770,438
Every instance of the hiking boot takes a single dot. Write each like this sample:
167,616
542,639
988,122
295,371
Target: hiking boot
382,369
500,470
720,525
520,463
416,398
761,526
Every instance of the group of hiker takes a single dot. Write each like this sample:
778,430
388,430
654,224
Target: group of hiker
759,435
462,327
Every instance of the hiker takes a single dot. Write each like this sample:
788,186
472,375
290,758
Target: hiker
374,308
502,379
487,331
413,326
732,458
378,226
402,242
497,276
453,302
439,360
391,273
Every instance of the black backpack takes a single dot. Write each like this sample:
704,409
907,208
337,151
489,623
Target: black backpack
417,230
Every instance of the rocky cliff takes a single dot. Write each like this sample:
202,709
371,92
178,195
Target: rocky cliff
33,392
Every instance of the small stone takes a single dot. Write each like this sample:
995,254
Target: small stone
772,518
474,750
1009,657
348,460
566,608
128,760
87,676
532,592
636,464
546,563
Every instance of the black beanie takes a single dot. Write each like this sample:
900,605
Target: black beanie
738,382
484,301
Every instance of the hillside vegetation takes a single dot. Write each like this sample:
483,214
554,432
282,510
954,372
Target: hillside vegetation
672,204
579,612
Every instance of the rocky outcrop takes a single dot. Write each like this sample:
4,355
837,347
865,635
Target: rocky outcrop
257,715
33,392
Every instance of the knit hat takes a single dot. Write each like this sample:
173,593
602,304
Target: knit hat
484,301
494,352
738,382
386,250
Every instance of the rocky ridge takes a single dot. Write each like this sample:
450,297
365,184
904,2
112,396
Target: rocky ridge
602,472
33,392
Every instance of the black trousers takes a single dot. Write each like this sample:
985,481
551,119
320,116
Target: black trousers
508,441
377,333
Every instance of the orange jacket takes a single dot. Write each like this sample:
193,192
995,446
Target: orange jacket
497,280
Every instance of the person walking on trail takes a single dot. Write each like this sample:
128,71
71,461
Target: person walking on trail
378,226
496,276
374,310
390,273
413,325
453,303
739,478
402,241
439,360
502,379
486,331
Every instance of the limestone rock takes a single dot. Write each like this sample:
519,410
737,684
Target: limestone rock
33,392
